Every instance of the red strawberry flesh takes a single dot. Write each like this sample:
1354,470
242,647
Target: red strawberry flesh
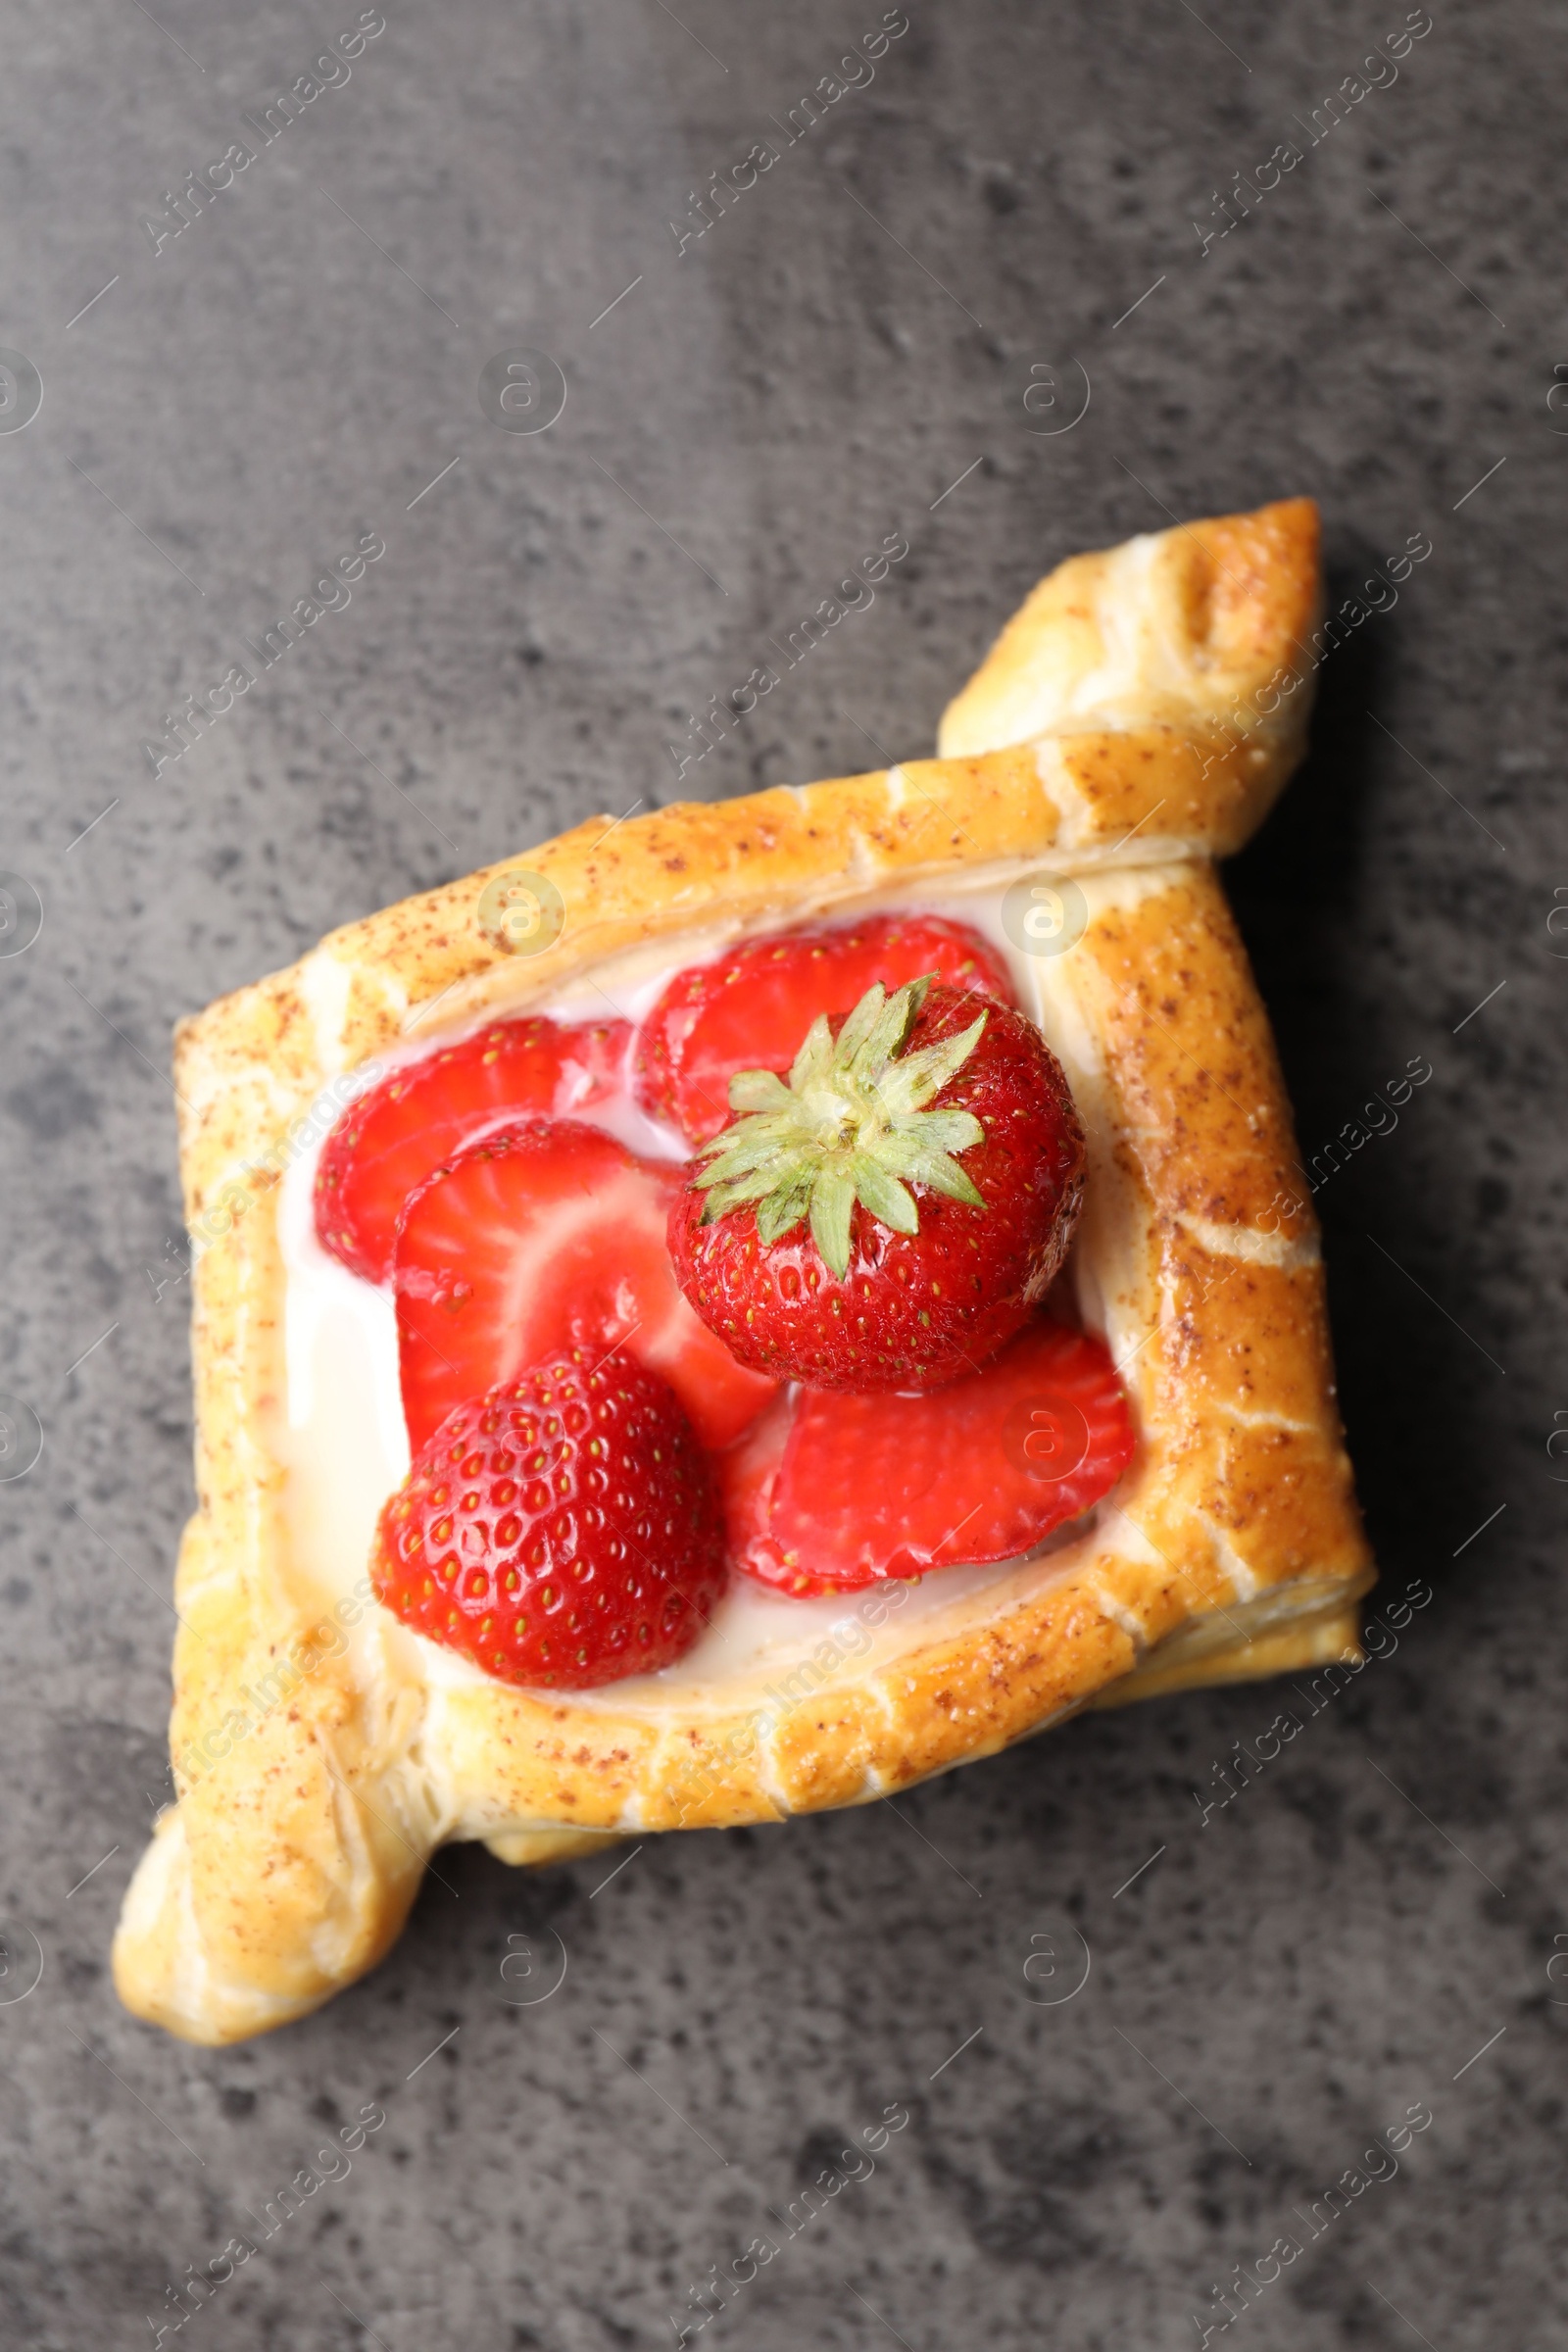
396,1135
842,1492
546,1235
750,1009
561,1531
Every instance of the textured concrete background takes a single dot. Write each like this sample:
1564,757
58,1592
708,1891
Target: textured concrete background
292,371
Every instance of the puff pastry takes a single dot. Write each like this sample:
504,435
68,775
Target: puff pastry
1133,722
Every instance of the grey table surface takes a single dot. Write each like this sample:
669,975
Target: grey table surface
1369,1927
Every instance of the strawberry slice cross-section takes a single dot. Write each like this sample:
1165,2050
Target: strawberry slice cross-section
750,1008
833,1492
549,1235
398,1133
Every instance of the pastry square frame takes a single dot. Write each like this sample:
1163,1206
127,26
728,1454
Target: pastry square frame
1133,723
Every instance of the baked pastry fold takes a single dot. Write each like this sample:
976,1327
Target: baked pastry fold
1133,722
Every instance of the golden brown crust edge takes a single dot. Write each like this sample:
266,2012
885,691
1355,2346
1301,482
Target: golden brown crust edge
289,1865
1207,622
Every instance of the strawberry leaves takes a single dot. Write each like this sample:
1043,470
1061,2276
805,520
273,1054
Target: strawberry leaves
851,1124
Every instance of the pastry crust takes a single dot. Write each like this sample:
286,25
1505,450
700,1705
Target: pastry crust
1233,1545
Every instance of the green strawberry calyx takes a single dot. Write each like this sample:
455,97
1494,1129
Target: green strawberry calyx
849,1124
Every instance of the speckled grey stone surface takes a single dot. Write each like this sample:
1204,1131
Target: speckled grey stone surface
1330,1949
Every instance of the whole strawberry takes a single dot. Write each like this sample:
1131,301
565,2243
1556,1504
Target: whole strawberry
885,1216
561,1531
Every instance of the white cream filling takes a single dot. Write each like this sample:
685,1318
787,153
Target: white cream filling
345,1444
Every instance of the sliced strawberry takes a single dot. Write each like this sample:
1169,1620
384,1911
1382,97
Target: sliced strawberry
749,1009
394,1137
748,1476
847,1490
545,1235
